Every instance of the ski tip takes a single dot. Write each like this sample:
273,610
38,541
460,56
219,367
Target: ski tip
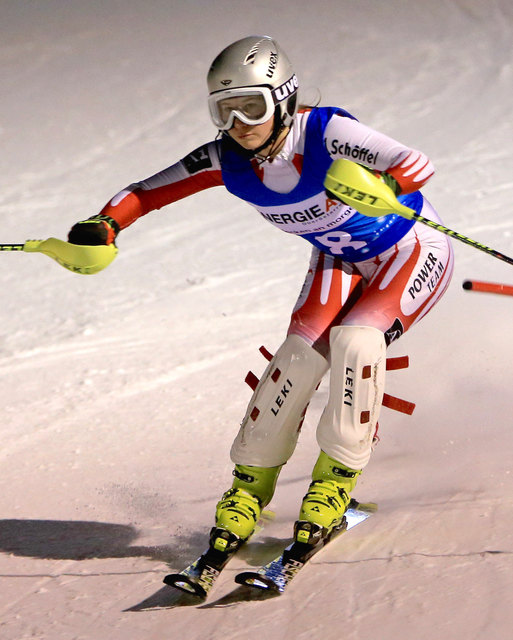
185,584
257,581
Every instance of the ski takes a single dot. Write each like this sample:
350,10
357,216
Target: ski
199,577
277,574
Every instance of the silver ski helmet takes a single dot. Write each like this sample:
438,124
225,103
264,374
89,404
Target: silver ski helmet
252,79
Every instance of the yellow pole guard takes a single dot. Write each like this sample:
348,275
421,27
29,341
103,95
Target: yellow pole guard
359,188
85,259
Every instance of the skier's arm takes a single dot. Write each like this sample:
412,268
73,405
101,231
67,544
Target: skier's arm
197,171
404,169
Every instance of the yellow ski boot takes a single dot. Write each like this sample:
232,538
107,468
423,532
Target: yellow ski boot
326,501
239,509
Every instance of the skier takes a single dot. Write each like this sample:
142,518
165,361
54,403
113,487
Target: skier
369,279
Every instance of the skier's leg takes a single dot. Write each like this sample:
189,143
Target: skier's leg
268,434
404,283
330,290
346,428
401,286
270,429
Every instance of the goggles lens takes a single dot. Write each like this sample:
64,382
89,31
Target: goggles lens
253,107
250,107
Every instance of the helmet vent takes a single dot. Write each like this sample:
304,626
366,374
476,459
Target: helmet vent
250,58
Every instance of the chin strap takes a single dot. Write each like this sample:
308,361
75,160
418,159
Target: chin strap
278,129
271,141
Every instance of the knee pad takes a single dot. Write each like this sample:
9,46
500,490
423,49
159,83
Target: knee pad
270,429
357,380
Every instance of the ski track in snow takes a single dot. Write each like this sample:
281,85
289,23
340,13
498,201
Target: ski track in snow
121,393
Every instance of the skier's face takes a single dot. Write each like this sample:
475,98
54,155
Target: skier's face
251,136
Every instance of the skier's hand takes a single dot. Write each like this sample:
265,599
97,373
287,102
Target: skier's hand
391,182
94,231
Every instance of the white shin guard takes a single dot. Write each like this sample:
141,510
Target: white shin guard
270,429
357,379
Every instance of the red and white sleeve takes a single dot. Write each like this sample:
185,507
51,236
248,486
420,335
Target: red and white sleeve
412,170
197,171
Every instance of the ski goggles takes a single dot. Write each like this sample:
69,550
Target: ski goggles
251,106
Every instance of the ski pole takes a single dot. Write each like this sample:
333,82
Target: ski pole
488,287
11,247
85,259
359,188
462,238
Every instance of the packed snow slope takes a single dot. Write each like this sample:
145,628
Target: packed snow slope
121,392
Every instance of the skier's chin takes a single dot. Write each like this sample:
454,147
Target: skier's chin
250,140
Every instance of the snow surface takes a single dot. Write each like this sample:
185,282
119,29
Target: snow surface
121,392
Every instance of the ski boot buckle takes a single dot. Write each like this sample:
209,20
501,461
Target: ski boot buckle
224,541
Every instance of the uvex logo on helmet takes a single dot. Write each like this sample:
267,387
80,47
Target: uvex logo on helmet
273,61
286,89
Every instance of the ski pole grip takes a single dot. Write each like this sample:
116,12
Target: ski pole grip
359,188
